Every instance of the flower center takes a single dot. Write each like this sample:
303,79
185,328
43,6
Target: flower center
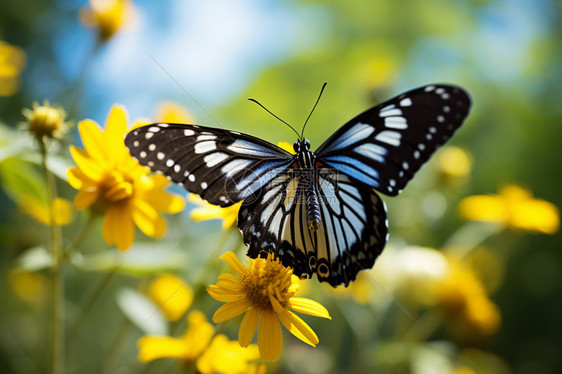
116,187
267,278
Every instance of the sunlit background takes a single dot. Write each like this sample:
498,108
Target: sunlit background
471,280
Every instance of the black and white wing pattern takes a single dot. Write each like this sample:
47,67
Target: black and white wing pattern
221,166
385,145
351,234
317,211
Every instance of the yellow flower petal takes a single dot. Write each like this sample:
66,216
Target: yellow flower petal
115,130
79,180
270,338
287,147
229,282
483,208
294,324
88,166
224,295
248,327
172,295
118,227
198,335
93,139
231,259
84,199
231,310
308,306
153,347
148,220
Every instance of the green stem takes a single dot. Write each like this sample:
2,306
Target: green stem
423,328
57,291
91,299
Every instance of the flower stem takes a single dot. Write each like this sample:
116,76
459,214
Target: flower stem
57,281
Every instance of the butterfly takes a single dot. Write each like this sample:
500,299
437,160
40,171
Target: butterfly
317,211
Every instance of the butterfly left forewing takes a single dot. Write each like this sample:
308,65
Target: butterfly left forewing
385,145
221,166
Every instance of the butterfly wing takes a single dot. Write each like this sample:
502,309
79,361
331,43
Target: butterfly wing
385,145
221,166
352,231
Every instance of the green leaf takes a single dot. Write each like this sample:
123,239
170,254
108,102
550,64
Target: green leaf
19,178
141,259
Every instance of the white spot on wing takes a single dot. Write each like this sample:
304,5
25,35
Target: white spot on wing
160,155
188,132
234,166
406,102
356,133
391,112
201,138
396,122
205,146
373,151
213,159
170,163
389,137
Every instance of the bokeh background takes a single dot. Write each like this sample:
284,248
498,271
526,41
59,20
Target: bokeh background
208,57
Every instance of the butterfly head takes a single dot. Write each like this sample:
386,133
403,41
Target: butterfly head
301,145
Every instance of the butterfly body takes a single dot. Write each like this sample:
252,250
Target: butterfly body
317,211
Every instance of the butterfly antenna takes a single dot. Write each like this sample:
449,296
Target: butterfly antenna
314,107
268,111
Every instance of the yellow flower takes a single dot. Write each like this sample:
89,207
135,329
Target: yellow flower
46,120
172,112
463,300
206,211
286,146
265,292
32,287
112,182
227,357
454,163
39,210
12,61
188,347
361,290
172,295
514,207
107,15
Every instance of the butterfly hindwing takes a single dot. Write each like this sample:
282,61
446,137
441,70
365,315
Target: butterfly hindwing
352,231
221,166
385,145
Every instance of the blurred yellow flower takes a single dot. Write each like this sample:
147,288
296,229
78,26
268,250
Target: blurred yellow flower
32,287
39,210
361,290
514,207
12,62
462,298
287,146
454,163
265,292
108,16
227,357
46,120
172,295
172,112
112,182
188,347
206,211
